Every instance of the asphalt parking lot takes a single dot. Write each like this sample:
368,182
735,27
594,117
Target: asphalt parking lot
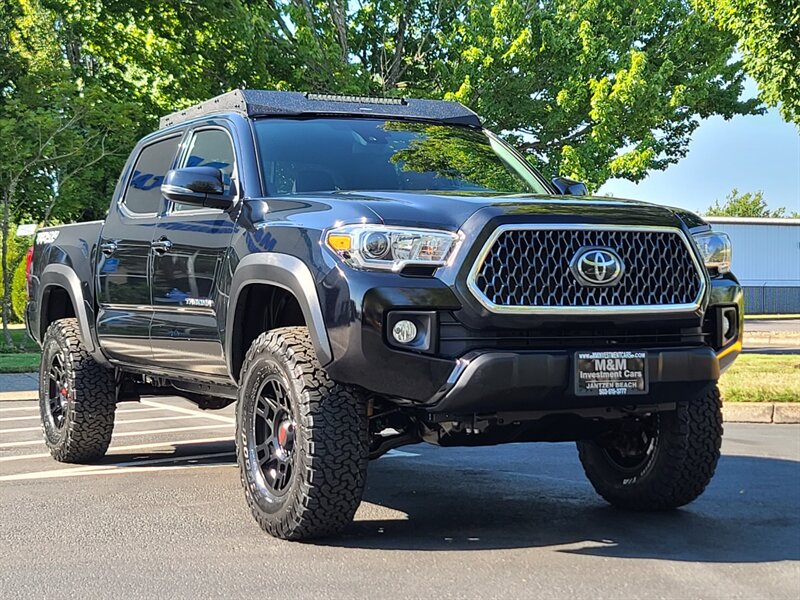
164,517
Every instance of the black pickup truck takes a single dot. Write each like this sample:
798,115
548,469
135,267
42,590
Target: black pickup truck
364,273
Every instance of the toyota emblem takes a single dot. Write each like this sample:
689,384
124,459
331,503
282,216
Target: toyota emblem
597,266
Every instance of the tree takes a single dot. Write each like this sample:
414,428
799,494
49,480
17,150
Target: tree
54,131
594,90
768,33
744,205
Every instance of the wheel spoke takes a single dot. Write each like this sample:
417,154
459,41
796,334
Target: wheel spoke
272,413
268,402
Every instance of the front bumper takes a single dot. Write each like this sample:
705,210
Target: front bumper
532,374
536,381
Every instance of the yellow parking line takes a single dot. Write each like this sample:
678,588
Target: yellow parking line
132,447
133,466
188,411
119,435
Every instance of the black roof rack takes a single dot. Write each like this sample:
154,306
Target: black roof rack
260,103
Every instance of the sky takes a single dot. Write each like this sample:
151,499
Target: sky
749,153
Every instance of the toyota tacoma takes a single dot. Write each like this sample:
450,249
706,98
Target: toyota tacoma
358,274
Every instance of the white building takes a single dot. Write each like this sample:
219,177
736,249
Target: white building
766,260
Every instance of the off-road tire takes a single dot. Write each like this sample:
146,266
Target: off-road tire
88,415
330,449
679,468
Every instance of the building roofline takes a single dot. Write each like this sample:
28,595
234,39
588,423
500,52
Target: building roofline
753,220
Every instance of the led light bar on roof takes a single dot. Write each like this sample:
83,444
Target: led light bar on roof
271,103
356,99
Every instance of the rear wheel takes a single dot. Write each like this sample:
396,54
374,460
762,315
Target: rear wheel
658,462
76,396
301,439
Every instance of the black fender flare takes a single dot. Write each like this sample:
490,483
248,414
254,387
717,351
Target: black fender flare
62,276
287,272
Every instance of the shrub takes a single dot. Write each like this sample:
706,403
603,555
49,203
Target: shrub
19,291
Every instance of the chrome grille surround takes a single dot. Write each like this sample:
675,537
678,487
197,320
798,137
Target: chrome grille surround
678,286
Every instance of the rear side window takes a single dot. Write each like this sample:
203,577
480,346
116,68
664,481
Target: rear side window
143,195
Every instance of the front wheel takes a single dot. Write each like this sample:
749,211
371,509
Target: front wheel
658,462
301,439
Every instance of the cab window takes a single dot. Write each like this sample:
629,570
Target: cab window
143,194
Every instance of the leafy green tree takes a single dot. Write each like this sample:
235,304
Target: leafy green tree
744,205
768,32
56,133
593,90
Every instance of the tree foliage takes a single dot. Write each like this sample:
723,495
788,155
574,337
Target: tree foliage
768,32
745,205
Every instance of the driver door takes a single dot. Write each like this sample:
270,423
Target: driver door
190,247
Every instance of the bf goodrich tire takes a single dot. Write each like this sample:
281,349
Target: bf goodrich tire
301,439
76,396
680,453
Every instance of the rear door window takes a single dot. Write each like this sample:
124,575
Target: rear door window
143,195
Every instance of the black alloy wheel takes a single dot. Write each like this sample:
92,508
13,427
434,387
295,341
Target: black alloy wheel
273,435
58,391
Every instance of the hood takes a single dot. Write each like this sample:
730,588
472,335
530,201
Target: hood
442,210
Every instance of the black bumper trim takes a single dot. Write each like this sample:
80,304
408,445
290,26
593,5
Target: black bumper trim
508,381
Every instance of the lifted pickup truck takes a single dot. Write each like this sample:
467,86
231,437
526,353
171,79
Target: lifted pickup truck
363,273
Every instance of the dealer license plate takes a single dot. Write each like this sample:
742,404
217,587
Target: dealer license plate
610,373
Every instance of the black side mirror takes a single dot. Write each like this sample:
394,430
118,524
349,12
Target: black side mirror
570,187
199,186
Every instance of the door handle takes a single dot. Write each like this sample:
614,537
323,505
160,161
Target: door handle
161,246
108,248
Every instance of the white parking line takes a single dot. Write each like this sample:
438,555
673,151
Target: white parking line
120,411
132,447
123,434
18,408
133,466
127,422
27,418
189,411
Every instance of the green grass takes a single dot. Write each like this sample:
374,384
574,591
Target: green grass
19,362
22,356
762,378
20,341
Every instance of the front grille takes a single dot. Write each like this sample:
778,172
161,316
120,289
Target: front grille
529,270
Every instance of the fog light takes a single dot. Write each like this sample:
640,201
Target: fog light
404,332
726,326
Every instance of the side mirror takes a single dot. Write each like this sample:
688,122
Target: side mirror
570,187
199,186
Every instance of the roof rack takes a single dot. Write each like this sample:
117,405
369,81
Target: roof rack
261,103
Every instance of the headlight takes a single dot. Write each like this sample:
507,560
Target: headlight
390,248
715,248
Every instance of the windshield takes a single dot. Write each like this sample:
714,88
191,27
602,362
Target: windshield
324,155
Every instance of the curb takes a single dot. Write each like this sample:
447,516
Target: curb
761,412
17,396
